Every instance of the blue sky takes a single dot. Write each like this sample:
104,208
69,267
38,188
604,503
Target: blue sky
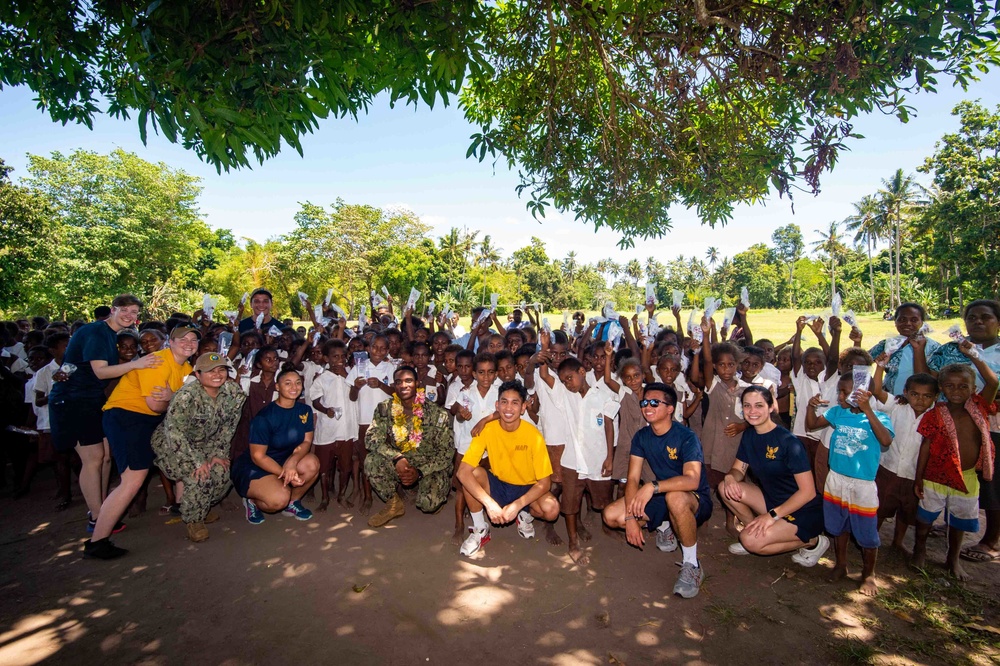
416,159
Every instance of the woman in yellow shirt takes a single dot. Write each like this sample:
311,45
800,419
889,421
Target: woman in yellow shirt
131,414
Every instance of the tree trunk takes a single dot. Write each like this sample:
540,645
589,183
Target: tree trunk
871,273
899,282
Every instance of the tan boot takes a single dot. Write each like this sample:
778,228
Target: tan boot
197,532
212,516
393,509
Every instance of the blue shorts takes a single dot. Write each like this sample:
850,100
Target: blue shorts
657,513
851,505
75,421
129,437
504,493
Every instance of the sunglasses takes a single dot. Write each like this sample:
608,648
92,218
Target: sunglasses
653,402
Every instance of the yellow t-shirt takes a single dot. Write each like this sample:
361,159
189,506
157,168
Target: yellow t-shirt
519,458
137,385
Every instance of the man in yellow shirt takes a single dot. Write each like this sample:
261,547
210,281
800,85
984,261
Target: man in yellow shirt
516,487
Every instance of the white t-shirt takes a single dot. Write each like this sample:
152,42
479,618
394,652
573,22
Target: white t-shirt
332,390
590,444
42,381
368,397
310,371
684,396
805,389
480,405
901,456
553,415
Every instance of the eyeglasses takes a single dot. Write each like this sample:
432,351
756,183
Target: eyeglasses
653,402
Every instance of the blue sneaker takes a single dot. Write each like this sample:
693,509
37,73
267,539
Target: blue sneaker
91,524
297,511
254,515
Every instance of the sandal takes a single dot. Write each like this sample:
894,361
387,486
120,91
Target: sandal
978,553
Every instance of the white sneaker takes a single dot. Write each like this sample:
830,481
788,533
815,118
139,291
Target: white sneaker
476,540
808,557
666,540
738,549
525,525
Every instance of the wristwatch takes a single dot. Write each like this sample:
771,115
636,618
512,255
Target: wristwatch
773,514
656,487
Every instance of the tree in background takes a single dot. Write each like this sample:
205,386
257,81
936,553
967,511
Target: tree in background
868,224
24,222
897,198
831,244
788,247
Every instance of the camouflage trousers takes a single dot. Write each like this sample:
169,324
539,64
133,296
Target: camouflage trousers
432,488
199,496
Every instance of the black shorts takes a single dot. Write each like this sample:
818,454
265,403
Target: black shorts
657,512
808,522
129,435
504,493
74,421
989,491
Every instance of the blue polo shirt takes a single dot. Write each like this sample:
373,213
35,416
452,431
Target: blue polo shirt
667,453
775,458
854,449
96,341
281,429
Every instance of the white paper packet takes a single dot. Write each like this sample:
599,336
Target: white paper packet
208,305
412,299
650,293
678,298
745,297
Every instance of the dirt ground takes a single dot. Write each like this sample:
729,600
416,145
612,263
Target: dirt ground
333,590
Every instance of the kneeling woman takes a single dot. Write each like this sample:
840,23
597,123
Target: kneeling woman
277,469
784,512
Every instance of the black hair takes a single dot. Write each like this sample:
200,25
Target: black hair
39,322
102,312
764,392
958,369
330,345
922,379
466,353
393,333
440,334
620,356
52,340
721,349
484,357
762,341
983,302
259,291
669,394
287,368
916,306
570,364
40,349
515,386
524,350
514,331
260,354
503,354
453,348
416,344
559,338
754,351
405,368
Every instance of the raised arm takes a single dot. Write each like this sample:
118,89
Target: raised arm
876,384
741,316
707,327
833,350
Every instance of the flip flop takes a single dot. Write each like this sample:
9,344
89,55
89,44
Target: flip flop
977,554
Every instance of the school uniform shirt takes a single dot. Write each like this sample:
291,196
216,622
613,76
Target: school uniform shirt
17,349
247,381
461,430
29,399
805,388
368,397
771,372
854,449
43,384
684,397
480,405
518,458
332,390
310,371
93,342
901,456
775,458
553,416
667,454
588,413
136,385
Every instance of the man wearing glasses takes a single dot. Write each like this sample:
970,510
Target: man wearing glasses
680,493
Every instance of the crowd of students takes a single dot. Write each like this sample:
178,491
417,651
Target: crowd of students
799,446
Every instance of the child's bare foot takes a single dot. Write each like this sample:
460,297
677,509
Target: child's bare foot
582,532
955,569
918,559
838,573
459,535
551,537
618,535
366,506
578,556
868,587
901,550
322,505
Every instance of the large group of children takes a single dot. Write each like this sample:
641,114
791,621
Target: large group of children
905,431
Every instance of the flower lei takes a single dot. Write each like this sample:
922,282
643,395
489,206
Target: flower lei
408,439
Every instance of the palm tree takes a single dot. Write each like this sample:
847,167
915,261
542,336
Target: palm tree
608,267
832,244
570,266
869,226
713,256
633,270
897,197
489,254
451,247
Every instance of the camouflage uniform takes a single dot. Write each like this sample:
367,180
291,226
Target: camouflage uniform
196,429
433,458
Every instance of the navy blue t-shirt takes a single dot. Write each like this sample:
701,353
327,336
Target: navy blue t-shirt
93,342
775,458
281,429
667,453
249,324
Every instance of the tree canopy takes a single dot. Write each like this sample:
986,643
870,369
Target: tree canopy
611,110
